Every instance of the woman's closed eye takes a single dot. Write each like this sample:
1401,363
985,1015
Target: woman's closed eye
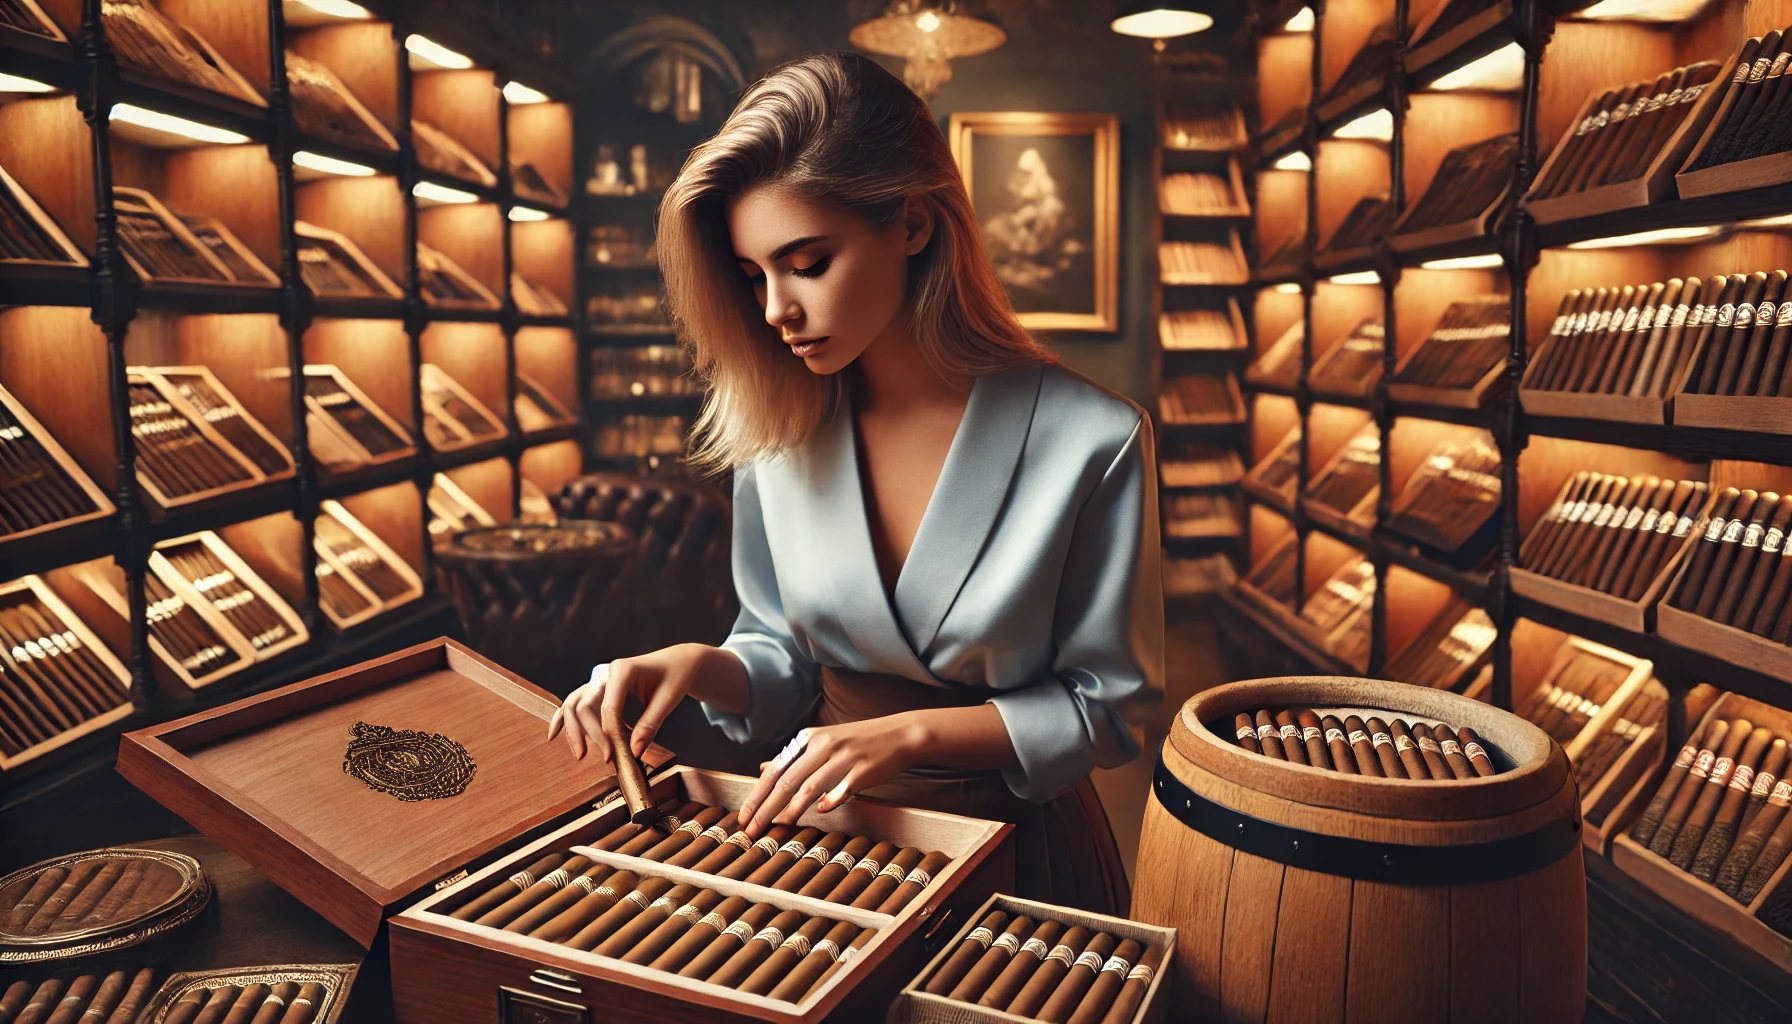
816,269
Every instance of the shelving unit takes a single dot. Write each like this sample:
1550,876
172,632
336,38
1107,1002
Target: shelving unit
1470,73
337,189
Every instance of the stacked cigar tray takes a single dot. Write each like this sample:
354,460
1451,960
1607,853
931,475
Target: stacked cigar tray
265,777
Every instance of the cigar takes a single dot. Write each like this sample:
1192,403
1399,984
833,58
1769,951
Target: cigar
1753,838
120,894
1407,749
784,959
1025,961
966,954
1247,733
647,921
104,1001
1749,523
801,845
1709,843
1636,563
1433,754
40,890
132,1003
1138,982
14,999
625,909
1731,738
1678,773
699,935
709,842
1772,767
1052,969
796,983
98,887
68,1009
733,846
1773,853
674,927
728,942
757,949
1341,757
615,839
304,1006
916,882
42,1002
1078,979
550,883
186,1007
214,1009
1738,100
796,877
515,885
1730,503
860,876
579,903
1108,982
993,960
1384,749
274,1006
77,879
1669,314
247,1002
1754,568
834,871
846,956
1471,749
1360,750
631,778
685,834
1269,737
663,826
760,853
572,892
889,878
1293,748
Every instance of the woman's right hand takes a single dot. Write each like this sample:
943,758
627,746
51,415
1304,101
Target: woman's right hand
659,680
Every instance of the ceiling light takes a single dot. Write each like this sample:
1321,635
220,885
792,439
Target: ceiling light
1482,262
1288,288
330,165
1644,10
1301,22
519,94
1295,161
1359,277
13,83
434,193
156,121
1659,236
527,213
1500,71
1156,19
437,54
1377,126
929,35
337,9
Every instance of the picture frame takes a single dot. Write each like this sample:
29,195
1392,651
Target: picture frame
1046,191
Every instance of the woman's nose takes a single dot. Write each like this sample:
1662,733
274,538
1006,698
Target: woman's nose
779,308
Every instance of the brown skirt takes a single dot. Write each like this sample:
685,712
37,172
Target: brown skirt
1064,850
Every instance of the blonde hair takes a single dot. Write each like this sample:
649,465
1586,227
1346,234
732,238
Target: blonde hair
834,127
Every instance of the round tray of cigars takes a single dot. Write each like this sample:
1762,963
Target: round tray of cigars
89,902
287,993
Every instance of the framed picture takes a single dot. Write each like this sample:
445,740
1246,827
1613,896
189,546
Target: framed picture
1046,189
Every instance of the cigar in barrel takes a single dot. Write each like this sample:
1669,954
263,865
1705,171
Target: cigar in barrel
917,882
246,1003
795,983
1269,737
1247,732
675,925
134,998
757,949
68,1008
1433,753
662,826
274,1006
1687,800
638,927
625,909
1451,745
1676,778
515,885
684,835
966,954
1292,747
1078,979
757,856
1312,736
1051,970
860,876
1360,749
728,941
105,1000
1476,754
303,1008
1407,750
990,964
792,951
572,894
1026,960
835,871
1108,982
889,878
1710,843
545,886
1138,982
1338,746
698,935
792,853
1384,749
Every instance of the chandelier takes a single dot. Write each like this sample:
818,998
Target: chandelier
928,34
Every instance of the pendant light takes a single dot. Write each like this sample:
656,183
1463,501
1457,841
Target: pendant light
928,34
1160,19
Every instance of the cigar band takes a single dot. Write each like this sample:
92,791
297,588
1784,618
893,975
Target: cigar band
1062,954
1745,314
740,839
1741,73
638,898
1770,545
1679,317
1334,735
1650,520
1310,733
798,942
1117,965
669,822
1007,941
820,855
1782,793
1715,529
794,848
1636,516
1764,313
301,999
981,936
1744,778
1726,314
714,920
1733,531
919,877
276,1000
694,827
892,870
1473,750
844,859
1141,972
1720,772
1090,959
769,846
1246,732
828,948
663,901
1037,947
1429,745
1404,743
740,930
1751,537
1266,731
1709,315
1784,317
770,935
1382,739
1645,318
557,878
1291,733
522,879
1358,736
584,882
1687,753
715,834
1604,516
74,1000
1682,525
1702,767
689,912
867,865
1759,69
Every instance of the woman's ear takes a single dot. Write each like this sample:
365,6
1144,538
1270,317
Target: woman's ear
917,224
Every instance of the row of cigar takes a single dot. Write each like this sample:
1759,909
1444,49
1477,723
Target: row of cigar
329,269
1468,181
444,283
1191,464
325,392
336,541
1201,263
1353,365
1751,122
1042,970
89,999
1574,694
1195,194
1451,498
1623,132
1341,609
98,892
50,681
188,638
1387,749
1720,812
1200,515
1279,472
1736,573
160,245
1280,362
1645,714
1450,647
146,40
1353,477
286,1002
262,625
1199,329
22,238
218,407
1469,341
1363,227
173,454
1199,398
1611,533
35,490
323,106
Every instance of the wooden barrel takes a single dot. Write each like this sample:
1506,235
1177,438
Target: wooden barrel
1301,894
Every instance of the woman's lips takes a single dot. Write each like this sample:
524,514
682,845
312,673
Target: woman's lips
808,348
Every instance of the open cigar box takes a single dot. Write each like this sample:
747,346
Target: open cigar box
1273,480
452,418
42,466
194,644
1354,467
348,431
50,703
183,454
537,409
1747,924
1735,175
359,576
223,580
278,779
1718,639
915,1005
452,509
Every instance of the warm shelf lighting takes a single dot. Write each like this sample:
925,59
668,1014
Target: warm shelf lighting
1376,126
1783,220
1485,261
1301,22
518,94
434,193
1295,161
1500,71
330,165
527,213
1154,19
1287,288
1659,236
1643,10
435,53
1358,277
156,121
13,83
337,9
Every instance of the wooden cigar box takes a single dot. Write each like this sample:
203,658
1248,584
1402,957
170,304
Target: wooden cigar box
332,443
296,635
106,582
266,777
1769,415
335,979
1703,901
349,566
460,421
1601,797
93,523
33,590
915,1006
1476,397
161,503
452,509
1254,481
1736,176
1720,640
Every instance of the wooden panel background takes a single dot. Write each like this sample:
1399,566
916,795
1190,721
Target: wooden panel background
1281,209
470,234
236,184
543,253
1348,24
54,360
272,546
237,29
550,357
541,134
1284,75
1272,417
1338,309
462,103
1438,122
487,483
370,211
364,55
375,354
473,354
1348,170
550,465
46,147
1274,313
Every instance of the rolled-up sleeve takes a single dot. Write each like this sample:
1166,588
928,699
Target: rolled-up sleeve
781,681
1108,632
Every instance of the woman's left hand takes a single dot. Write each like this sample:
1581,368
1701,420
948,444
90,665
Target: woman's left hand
830,764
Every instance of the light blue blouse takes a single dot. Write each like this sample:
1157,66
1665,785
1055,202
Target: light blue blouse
1036,574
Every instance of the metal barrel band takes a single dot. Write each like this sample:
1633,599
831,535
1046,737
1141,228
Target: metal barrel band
1361,859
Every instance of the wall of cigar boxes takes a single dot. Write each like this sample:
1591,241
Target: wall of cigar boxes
286,293
1520,418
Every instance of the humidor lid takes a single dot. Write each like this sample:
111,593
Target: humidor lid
356,790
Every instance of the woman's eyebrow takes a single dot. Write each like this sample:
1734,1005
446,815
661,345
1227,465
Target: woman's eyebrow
788,247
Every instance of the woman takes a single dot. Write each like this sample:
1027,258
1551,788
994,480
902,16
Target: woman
946,545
